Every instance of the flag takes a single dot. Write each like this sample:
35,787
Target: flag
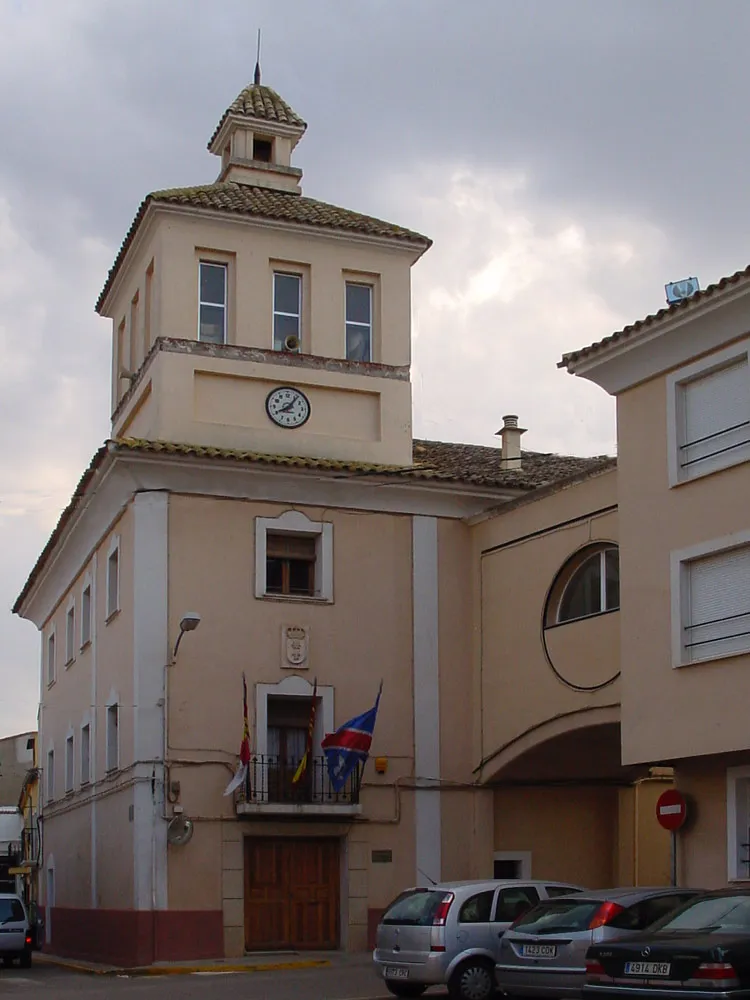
350,745
300,772
242,777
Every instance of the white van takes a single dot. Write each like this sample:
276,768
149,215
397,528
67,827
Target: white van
15,931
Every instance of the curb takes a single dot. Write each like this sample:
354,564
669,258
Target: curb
183,970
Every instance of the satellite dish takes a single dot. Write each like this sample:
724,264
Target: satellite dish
679,290
179,830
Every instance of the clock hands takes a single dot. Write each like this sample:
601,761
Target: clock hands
288,407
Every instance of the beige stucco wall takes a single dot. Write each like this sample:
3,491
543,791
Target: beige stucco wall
220,402
254,251
669,713
535,541
66,707
570,832
350,650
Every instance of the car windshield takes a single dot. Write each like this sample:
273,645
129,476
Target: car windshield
11,911
558,916
717,915
415,908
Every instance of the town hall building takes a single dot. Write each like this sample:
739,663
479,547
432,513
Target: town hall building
262,509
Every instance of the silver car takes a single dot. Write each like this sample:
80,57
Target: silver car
15,931
544,952
450,933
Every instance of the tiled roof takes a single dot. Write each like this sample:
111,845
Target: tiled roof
643,324
473,465
283,206
260,103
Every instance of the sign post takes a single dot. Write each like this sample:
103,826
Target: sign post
671,813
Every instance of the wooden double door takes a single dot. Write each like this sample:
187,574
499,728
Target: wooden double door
291,893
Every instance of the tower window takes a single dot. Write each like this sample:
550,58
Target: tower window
287,308
358,322
262,149
212,303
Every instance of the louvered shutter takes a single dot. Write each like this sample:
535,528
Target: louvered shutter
716,418
719,605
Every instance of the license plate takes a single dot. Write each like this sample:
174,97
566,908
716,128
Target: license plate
647,968
393,972
539,950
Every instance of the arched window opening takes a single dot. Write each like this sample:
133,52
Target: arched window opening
592,587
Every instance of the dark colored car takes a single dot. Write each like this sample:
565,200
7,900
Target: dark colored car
700,952
544,952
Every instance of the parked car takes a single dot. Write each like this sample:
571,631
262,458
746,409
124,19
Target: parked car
450,933
544,952
15,931
701,952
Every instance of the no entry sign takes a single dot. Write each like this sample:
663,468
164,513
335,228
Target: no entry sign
671,809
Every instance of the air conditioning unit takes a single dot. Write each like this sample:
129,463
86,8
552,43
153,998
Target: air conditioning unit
679,290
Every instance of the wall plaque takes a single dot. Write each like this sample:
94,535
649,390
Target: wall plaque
382,857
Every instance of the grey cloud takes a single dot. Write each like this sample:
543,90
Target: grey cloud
625,120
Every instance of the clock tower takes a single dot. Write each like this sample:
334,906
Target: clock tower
249,317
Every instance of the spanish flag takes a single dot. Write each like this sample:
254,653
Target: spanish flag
242,777
300,772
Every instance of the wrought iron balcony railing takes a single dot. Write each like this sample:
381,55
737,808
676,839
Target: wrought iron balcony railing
271,781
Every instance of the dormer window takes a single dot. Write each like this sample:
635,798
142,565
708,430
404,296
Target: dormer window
262,149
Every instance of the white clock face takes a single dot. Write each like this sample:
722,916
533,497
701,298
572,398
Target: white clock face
287,407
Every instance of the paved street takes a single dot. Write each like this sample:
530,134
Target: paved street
351,982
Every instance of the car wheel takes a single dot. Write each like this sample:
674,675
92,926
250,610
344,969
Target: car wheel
474,980
404,989
25,962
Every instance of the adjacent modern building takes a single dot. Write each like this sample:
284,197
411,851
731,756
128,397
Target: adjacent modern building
682,383
263,509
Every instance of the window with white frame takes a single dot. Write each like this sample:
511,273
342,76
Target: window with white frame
287,308
212,302
113,737
50,782
714,605
51,656
69,763
738,823
588,584
113,580
86,615
85,753
358,321
70,634
293,557
709,415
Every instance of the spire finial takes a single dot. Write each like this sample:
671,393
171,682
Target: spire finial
257,63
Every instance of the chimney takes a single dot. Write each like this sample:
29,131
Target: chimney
510,437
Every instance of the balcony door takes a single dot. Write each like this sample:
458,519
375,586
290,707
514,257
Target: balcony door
288,719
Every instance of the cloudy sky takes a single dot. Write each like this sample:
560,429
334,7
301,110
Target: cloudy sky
568,157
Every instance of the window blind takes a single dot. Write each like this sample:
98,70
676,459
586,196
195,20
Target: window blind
719,605
716,412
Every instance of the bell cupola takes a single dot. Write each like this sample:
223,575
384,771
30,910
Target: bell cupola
255,139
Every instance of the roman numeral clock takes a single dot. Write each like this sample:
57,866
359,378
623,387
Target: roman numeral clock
288,407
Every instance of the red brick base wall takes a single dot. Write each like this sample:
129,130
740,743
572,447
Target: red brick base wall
373,919
136,937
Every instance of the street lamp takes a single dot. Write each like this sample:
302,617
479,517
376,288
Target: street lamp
189,623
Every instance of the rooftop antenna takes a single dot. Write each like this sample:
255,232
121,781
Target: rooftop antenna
257,63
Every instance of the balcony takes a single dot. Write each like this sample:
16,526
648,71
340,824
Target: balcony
272,791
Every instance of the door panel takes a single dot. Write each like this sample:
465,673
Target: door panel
291,893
